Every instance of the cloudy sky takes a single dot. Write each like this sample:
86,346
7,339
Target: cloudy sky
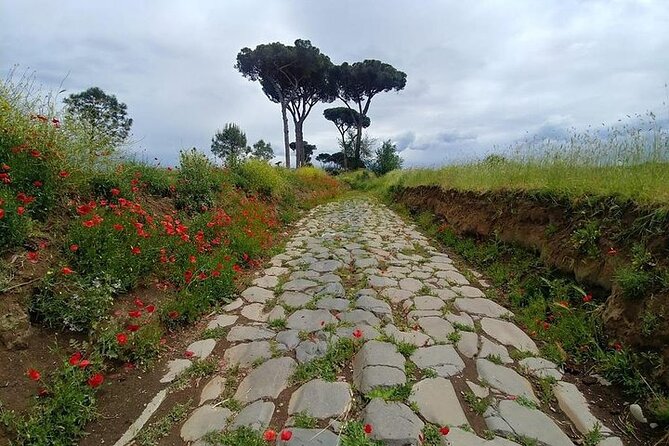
480,74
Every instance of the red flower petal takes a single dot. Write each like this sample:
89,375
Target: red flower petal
75,358
96,380
444,430
34,374
286,435
269,435
368,428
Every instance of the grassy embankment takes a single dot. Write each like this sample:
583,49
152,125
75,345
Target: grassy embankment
628,168
93,230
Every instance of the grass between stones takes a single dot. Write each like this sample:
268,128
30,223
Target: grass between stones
151,435
476,404
199,369
328,366
304,421
240,436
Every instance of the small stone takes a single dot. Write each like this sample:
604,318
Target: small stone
277,313
428,303
437,402
213,389
381,282
413,337
479,391
245,355
468,345
360,317
295,299
222,320
575,406
249,333
266,381
321,399
175,368
462,319
468,291
410,284
309,320
376,306
254,312
202,349
299,285
256,415
454,278
394,424
332,303
512,419
540,368
489,348
436,327
396,295
232,306
332,289
309,350
204,420
257,294
446,294
289,338
276,271
266,281
637,413
378,364
443,359
326,266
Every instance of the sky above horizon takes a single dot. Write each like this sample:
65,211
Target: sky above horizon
480,75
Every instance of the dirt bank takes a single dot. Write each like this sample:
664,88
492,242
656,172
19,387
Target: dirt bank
588,238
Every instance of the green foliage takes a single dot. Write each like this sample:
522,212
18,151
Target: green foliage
326,367
197,370
72,304
353,434
304,421
586,239
240,436
387,159
659,409
151,435
14,228
594,436
105,118
633,283
141,347
59,417
399,392
229,144
431,435
623,368
197,182
257,176
476,404
262,150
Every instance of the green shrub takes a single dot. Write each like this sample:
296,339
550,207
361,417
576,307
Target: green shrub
633,283
71,303
198,181
257,176
14,228
659,409
115,341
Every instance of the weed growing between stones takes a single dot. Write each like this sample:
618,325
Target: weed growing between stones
237,437
197,370
304,420
400,392
150,435
328,366
476,404
594,436
215,333
353,434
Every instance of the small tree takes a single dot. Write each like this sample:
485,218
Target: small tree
229,144
309,150
387,158
263,150
105,119
345,119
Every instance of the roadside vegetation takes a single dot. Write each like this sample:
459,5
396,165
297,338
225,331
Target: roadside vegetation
93,229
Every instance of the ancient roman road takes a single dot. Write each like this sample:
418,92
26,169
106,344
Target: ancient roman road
355,270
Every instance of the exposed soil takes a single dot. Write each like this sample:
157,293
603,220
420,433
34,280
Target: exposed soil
546,224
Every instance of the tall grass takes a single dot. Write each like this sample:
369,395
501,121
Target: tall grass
630,162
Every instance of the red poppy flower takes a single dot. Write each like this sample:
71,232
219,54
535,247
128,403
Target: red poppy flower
135,250
444,430
20,210
150,308
67,270
35,153
138,302
269,435
37,183
192,259
286,435
118,227
74,247
121,338
368,428
132,327
84,363
63,174
5,167
135,313
189,354
114,191
618,346
546,325
34,374
2,213
33,256
357,333
236,268
75,358
96,380
173,314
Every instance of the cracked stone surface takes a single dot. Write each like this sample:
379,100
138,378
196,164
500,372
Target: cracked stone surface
353,269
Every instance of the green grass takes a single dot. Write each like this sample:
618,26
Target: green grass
399,392
151,435
327,366
476,404
304,421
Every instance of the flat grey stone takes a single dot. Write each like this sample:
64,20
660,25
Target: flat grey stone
378,364
256,415
413,337
266,381
175,368
332,303
410,284
396,295
266,281
276,271
321,399
304,275
443,359
329,278
212,389
381,282
367,331
289,338
468,291
277,313
461,437
310,437
295,299
575,406
437,402
309,320
332,289
326,266
245,355
365,262
481,306
254,312
436,327
414,315
504,379
428,303
232,306
508,334
468,345
299,285
637,413
376,306
222,320
360,317
202,349
309,350
540,368
257,294
454,277
510,418
462,319
489,348
204,420
479,391
249,333
393,423
446,294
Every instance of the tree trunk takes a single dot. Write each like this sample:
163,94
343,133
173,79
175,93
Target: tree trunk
358,143
299,144
286,136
